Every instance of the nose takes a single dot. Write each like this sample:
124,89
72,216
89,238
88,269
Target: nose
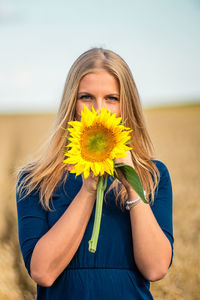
99,103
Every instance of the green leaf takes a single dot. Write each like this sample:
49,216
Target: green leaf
119,165
133,179
122,123
131,141
64,128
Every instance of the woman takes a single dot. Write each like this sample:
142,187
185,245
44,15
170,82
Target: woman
56,210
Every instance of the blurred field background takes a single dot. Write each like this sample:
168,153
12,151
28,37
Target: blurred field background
175,132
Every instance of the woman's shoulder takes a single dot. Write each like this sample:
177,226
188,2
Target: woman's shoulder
22,173
160,165
163,171
21,178
22,184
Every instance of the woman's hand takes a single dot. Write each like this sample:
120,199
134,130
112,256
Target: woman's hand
127,161
90,183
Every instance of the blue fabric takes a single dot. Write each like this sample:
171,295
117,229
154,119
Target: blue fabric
111,272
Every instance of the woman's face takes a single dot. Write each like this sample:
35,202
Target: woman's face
98,89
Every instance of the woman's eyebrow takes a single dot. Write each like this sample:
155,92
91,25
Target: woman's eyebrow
109,94
85,93
113,94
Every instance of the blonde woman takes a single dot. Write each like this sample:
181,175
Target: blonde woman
56,210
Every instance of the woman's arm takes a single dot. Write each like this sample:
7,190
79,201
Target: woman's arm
56,248
151,248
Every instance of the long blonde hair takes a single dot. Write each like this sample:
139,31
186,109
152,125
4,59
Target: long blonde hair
46,172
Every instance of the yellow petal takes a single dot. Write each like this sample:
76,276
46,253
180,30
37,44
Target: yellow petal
96,141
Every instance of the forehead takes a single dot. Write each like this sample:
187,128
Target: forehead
101,80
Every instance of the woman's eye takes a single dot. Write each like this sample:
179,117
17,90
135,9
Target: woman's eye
85,97
113,98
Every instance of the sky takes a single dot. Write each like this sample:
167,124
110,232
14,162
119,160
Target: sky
40,40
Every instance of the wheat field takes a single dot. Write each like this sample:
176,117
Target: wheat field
175,132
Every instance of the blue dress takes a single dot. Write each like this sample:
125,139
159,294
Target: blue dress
110,272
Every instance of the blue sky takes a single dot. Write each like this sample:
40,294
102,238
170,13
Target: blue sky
159,39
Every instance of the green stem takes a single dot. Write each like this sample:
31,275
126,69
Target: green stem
98,213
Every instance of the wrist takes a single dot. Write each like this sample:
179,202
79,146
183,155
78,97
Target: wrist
132,203
89,192
131,193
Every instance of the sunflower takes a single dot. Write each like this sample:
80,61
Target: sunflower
95,142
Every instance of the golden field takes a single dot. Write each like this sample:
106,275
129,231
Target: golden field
175,133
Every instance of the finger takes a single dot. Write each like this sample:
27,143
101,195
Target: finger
70,167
